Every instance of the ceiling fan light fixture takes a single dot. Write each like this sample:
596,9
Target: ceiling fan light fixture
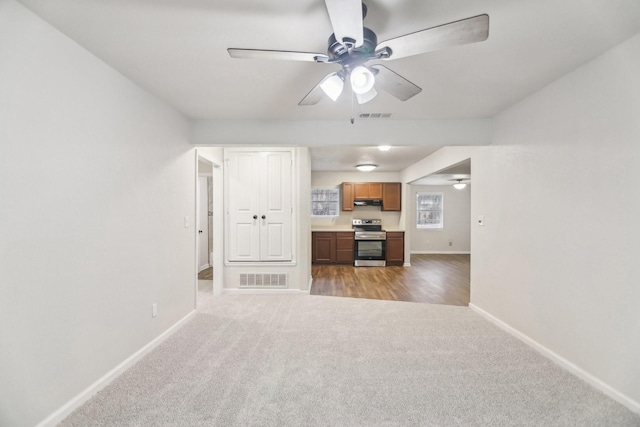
332,86
366,97
362,80
367,167
459,185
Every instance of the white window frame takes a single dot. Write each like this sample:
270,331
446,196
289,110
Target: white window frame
327,198
422,215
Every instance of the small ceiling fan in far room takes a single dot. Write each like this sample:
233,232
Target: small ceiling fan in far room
352,45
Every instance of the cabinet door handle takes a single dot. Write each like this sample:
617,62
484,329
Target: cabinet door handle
255,217
264,217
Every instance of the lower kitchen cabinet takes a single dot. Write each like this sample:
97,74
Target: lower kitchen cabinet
331,247
395,247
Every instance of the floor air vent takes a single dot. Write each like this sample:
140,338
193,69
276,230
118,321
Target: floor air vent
264,280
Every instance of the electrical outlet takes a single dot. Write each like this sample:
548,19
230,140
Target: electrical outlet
154,309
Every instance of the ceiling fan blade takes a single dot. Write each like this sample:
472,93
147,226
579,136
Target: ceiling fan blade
394,84
346,20
465,31
315,95
277,54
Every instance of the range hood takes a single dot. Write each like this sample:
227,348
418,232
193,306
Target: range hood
367,202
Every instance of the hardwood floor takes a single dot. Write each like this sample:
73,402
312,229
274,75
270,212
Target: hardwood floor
436,279
206,274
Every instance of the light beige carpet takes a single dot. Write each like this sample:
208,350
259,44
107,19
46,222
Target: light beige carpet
329,361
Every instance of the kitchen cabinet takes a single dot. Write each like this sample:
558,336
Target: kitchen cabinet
368,190
344,248
347,196
391,196
389,192
259,215
330,247
395,247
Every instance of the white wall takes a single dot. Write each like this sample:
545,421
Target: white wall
457,218
96,177
335,179
559,189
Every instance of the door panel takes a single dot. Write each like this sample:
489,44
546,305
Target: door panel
203,224
275,192
243,204
259,185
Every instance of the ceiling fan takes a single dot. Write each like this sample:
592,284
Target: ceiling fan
352,45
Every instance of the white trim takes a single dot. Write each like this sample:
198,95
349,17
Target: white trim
406,264
441,252
203,267
65,410
566,364
256,291
260,263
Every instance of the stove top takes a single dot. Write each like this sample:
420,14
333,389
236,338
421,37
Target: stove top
367,225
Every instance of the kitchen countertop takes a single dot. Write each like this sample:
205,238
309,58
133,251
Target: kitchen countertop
343,229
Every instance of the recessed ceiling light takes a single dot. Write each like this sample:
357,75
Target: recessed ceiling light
384,147
366,167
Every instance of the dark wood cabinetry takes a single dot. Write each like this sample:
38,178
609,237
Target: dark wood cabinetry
389,192
330,247
344,248
323,250
347,196
368,190
391,196
395,247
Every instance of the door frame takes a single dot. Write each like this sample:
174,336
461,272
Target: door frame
217,226
204,224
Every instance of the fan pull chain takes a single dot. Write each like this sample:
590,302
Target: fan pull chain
353,95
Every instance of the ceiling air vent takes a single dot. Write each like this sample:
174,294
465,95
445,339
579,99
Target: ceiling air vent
375,115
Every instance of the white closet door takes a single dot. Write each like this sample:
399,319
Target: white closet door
275,207
243,202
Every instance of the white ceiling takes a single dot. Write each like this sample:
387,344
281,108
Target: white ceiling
176,49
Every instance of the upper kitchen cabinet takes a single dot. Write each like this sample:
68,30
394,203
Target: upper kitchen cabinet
391,196
259,215
347,196
389,192
368,190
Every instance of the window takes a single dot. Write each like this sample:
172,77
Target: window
325,202
429,210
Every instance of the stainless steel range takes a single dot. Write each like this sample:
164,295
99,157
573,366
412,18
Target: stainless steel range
370,243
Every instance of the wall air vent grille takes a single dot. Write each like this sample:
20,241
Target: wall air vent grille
263,280
375,115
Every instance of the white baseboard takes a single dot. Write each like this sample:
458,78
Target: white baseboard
203,267
406,264
566,364
257,291
66,409
440,252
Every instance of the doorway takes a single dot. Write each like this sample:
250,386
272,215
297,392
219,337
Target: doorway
439,221
204,231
